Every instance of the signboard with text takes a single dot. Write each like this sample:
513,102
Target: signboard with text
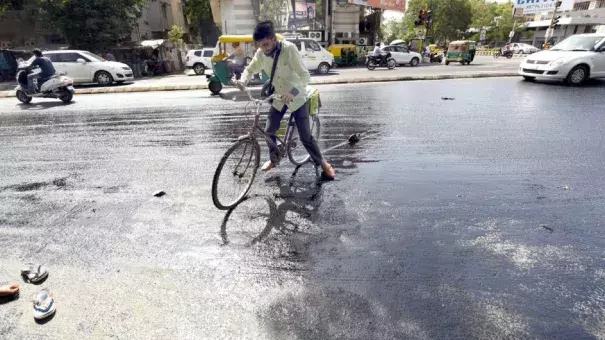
393,5
538,6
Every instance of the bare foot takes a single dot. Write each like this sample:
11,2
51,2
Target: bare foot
328,170
9,290
268,166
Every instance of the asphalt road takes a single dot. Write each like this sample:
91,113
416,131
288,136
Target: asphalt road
479,217
482,64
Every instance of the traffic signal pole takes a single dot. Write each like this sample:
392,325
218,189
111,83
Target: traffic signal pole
425,18
554,20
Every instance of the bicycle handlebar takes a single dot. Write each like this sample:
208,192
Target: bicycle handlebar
260,101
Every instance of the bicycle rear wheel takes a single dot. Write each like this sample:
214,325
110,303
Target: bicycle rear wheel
235,173
297,153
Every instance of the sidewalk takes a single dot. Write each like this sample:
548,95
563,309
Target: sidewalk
485,67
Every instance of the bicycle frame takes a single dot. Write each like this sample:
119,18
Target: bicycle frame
256,126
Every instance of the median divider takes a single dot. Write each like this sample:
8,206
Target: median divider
314,81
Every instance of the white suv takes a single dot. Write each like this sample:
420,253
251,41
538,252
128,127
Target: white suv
199,60
85,67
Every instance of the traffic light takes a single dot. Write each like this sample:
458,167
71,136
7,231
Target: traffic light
558,4
429,19
555,21
421,16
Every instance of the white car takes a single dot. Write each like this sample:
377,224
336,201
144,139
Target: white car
199,60
524,48
402,55
574,60
316,58
85,67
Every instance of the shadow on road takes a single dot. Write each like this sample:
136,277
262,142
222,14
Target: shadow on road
296,195
591,83
90,86
44,105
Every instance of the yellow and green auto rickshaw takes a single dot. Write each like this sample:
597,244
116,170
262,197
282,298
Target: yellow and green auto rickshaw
344,54
222,75
461,51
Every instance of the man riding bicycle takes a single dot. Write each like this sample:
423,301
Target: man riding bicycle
290,83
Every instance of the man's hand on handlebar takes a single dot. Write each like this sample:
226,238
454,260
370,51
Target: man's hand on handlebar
240,85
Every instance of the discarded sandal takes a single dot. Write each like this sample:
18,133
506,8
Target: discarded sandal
44,305
34,273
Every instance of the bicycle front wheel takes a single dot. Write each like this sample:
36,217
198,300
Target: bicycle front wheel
235,173
297,153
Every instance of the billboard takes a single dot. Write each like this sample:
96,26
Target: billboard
294,15
537,6
393,5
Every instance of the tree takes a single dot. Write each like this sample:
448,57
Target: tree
175,35
91,24
392,30
450,17
198,10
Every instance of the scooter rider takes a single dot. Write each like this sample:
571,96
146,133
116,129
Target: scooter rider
47,70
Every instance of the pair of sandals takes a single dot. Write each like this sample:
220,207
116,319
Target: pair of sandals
44,305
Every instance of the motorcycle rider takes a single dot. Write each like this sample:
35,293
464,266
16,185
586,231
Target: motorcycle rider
377,52
47,70
290,82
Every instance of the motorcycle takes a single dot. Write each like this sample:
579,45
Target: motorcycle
384,59
506,53
58,86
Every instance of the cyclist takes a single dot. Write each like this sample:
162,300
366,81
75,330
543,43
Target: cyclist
290,83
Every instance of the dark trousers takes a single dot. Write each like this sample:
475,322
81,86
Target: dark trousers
301,116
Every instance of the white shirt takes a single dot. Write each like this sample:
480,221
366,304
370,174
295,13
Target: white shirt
377,51
291,74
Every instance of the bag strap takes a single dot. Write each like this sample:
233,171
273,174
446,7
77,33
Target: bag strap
275,59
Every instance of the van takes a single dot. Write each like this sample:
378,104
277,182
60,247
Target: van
316,58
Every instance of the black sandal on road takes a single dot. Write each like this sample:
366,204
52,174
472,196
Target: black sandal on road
34,273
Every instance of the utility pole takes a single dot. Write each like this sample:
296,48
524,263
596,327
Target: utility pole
554,21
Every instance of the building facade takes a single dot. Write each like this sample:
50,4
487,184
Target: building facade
584,17
326,21
157,19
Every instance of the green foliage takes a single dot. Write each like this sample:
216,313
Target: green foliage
450,17
392,30
175,35
270,10
91,24
198,10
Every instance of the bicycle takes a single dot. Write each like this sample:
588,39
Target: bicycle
247,164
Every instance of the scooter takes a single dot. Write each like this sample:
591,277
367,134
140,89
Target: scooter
383,60
58,86
436,58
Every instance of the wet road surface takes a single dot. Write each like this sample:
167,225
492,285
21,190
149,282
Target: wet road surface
474,218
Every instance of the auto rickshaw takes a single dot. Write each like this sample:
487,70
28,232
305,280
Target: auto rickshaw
461,51
344,54
222,75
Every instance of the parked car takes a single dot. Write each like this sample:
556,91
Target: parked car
85,67
315,57
524,48
402,55
199,60
574,60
